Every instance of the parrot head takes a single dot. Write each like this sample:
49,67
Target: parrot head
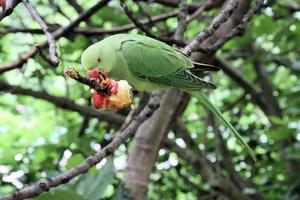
98,57
93,59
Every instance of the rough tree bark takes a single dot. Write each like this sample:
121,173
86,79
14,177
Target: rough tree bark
146,144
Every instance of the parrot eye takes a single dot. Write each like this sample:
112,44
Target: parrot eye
99,60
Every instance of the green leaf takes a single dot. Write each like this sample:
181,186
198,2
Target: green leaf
278,121
103,178
281,133
94,187
74,160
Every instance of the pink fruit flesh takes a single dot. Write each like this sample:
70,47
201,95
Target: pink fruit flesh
102,100
98,100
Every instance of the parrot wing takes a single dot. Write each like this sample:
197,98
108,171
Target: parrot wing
161,64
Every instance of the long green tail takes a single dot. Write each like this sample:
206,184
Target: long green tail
204,99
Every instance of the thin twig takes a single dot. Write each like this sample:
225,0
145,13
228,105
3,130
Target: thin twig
209,31
143,12
202,7
93,31
181,27
44,56
51,41
92,83
192,7
56,8
198,12
76,6
143,28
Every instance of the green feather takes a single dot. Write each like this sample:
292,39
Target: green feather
184,80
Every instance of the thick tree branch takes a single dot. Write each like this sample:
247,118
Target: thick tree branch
146,144
53,60
238,29
209,31
46,184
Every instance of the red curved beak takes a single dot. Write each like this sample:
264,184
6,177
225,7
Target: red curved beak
97,74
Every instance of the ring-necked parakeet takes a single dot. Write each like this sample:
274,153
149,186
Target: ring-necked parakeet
148,64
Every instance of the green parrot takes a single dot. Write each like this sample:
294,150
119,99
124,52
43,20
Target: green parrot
148,64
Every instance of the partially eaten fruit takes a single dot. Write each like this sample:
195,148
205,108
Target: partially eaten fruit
117,94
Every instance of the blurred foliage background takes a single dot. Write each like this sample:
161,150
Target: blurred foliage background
40,137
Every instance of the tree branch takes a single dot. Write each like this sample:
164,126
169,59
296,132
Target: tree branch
53,60
238,29
46,184
76,6
57,34
216,23
191,7
143,28
94,31
72,73
181,27
57,8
